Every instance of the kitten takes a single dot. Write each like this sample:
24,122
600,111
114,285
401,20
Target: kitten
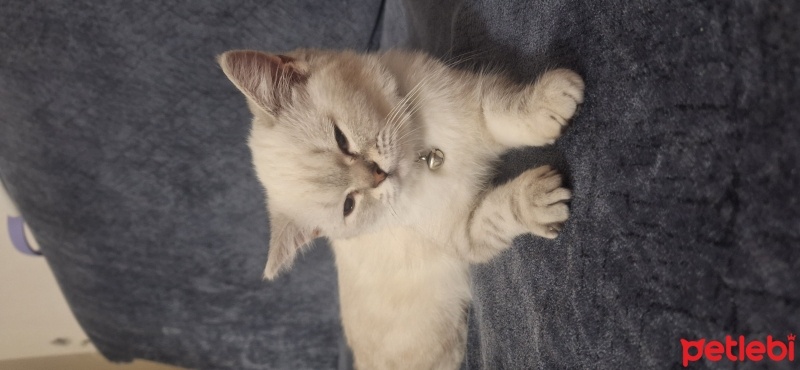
336,142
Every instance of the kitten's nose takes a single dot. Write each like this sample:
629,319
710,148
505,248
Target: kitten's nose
377,175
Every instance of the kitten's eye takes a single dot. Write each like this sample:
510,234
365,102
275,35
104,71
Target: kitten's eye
349,204
344,146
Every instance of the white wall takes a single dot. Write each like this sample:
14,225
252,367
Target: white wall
34,318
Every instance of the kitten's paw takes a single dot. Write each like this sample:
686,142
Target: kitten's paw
541,201
556,96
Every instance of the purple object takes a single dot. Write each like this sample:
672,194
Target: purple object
16,229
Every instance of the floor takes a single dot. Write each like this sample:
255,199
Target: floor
88,361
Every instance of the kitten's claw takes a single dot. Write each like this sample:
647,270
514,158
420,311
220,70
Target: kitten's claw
556,96
542,201
553,230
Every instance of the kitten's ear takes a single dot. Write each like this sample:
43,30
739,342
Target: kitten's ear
286,239
265,79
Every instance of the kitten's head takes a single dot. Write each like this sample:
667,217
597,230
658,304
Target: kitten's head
327,143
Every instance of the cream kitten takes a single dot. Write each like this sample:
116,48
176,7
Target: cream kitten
335,141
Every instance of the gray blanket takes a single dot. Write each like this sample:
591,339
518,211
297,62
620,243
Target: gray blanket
123,145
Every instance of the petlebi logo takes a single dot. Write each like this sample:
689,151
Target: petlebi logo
772,349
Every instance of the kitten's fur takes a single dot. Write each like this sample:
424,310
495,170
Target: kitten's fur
403,253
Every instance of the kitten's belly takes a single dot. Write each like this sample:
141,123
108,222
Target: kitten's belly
403,301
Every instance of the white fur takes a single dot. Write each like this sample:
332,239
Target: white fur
403,254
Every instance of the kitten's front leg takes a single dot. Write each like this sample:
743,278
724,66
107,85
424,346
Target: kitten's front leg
531,203
518,115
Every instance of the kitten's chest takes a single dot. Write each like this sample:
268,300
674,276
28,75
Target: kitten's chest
400,296
438,205
443,197
397,261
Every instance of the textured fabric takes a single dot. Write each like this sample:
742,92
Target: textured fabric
123,144
684,165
